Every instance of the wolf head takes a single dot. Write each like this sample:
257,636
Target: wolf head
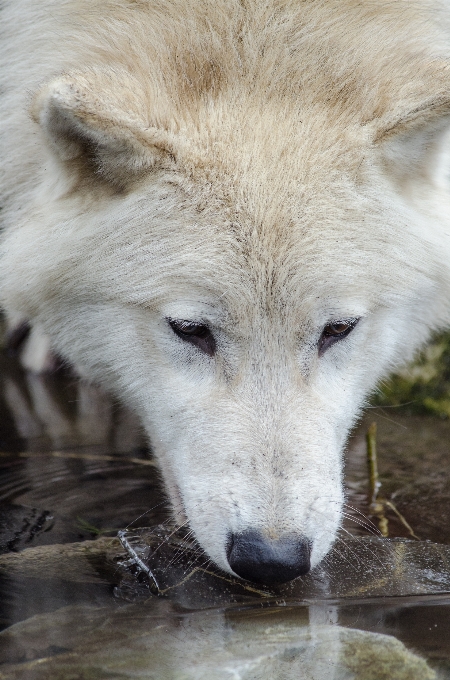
241,254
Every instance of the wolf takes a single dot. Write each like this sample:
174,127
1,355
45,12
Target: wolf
235,215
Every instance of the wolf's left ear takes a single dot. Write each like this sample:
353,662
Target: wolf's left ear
410,135
96,121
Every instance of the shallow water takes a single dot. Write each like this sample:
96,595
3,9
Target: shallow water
74,469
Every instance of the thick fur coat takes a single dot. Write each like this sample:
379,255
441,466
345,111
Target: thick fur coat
267,171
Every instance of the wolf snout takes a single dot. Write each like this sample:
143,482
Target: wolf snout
254,557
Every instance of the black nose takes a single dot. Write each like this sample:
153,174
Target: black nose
264,560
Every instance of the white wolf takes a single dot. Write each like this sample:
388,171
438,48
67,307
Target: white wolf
236,215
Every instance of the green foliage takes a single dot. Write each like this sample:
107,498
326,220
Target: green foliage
85,526
423,386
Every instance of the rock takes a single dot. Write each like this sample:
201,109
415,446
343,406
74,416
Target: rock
76,562
156,643
354,568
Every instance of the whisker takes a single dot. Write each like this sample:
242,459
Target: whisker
165,502
366,525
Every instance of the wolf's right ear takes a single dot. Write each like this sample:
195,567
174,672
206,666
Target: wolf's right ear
412,134
97,122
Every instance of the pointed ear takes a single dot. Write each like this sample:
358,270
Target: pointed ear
96,122
411,135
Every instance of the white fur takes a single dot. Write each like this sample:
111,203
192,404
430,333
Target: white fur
263,167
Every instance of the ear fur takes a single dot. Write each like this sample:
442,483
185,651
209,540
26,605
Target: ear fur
411,135
423,97
96,121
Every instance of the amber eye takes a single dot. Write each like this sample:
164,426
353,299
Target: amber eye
195,333
337,330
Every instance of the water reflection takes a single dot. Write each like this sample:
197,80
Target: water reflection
157,642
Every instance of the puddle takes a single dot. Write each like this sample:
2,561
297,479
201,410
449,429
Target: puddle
413,461
75,603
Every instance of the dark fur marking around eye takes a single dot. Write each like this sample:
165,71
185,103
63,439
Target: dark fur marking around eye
335,331
195,333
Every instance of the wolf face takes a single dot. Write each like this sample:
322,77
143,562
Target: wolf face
239,267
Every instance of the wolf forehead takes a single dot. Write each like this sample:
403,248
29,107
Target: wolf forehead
276,202
237,235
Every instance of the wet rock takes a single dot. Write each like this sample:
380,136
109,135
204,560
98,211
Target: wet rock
76,562
157,644
355,568
380,657
19,525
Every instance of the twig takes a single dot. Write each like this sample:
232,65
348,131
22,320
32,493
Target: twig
376,503
78,456
374,482
136,559
401,518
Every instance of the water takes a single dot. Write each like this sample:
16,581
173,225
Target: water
75,603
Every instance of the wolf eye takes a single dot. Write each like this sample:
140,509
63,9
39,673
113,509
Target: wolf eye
195,333
337,330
